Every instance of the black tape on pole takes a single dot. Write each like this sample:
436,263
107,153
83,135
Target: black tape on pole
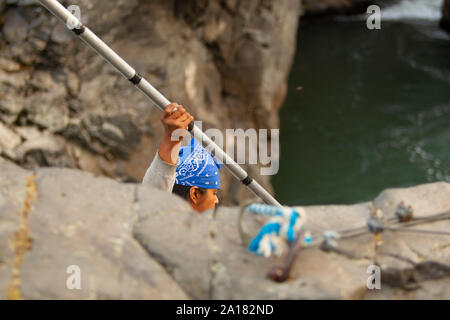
191,126
247,180
136,79
78,31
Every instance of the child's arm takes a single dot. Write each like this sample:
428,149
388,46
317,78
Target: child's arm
161,173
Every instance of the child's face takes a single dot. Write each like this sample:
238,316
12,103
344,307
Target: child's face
201,202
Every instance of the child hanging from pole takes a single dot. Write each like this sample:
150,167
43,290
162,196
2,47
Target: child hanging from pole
190,171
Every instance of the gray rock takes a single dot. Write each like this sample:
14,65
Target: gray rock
9,65
12,199
41,148
24,3
220,267
15,27
61,36
12,103
94,235
48,107
117,133
131,241
177,238
400,254
9,140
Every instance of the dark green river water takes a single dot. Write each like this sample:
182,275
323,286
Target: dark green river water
374,111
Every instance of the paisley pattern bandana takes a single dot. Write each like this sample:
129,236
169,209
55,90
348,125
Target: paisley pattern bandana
197,167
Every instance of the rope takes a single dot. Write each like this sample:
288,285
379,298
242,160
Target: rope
282,229
269,238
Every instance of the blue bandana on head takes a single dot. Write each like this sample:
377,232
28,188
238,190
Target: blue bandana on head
197,167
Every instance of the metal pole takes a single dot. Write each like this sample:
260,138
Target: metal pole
154,95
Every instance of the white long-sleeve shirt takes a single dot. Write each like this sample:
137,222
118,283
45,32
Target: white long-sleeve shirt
160,174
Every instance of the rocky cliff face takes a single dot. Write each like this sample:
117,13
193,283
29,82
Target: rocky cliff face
133,242
445,21
62,105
